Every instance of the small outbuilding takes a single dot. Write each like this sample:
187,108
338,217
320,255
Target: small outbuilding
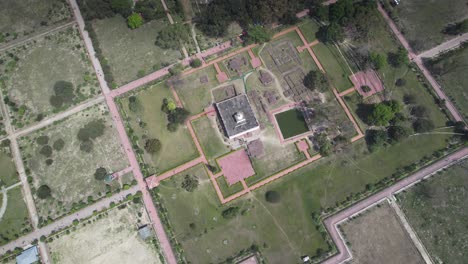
28,256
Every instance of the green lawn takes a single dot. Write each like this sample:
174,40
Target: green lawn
195,95
210,139
336,67
131,53
437,210
450,70
291,123
283,231
226,189
177,147
309,28
7,168
15,221
423,22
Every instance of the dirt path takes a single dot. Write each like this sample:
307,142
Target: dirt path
332,222
167,12
448,45
451,108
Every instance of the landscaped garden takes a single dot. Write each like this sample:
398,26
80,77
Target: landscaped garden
46,76
148,122
68,163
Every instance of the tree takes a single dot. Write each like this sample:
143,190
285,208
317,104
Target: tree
420,111
100,174
91,130
399,58
42,140
43,192
178,116
423,125
169,36
152,145
195,63
378,60
316,80
87,146
398,133
46,151
149,9
176,69
375,139
400,82
134,104
258,34
63,94
135,20
272,197
324,145
382,113
331,33
123,7
190,183
230,212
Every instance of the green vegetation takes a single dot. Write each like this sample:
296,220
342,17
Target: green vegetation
43,192
436,209
100,174
258,34
309,28
15,221
170,36
210,139
316,80
291,123
227,189
152,145
135,20
336,67
176,147
190,183
8,174
195,63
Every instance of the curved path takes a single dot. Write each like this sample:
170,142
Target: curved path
332,222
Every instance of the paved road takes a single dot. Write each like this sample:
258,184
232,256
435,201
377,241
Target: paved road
451,108
67,220
332,222
448,45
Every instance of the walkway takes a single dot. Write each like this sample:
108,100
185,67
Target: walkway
451,108
446,46
332,222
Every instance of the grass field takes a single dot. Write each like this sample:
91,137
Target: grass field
110,237
195,95
134,55
437,210
176,147
283,231
31,71
15,221
450,70
423,22
309,28
227,189
19,18
210,139
377,236
8,174
335,66
70,176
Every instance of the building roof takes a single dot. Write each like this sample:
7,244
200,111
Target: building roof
237,116
29,256
236,166
144,232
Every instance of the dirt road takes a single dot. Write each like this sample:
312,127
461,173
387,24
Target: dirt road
448,45
331,223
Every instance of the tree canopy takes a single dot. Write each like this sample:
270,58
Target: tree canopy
43,192
316,80
258,34
135,20
169,36
190,183
152,145
100,174
382,113
64,94
375,139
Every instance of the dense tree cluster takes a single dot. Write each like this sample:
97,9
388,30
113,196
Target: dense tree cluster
324,144
170,36
175,115
135,20
89,132
379,114
316,80
230,212
258,34
457,28
63,94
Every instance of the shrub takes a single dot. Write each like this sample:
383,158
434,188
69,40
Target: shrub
258,34
42,140
134,104
366,88
190,183
92,130
49,162
378,60
272,197
134,21
58,144
375,139
43,192
152,145
423,125
398,133
64,94
100,174
149,9
195,63
230,212
400,82
46,151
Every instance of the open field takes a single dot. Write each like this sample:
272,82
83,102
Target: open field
176,147
450,71
282,231
15,221
335,66
291,123
227,189
57,157
19,18
8,174
422,23
210,139
437,211
110,237
32,75
377,236
138,44
194,94
309,28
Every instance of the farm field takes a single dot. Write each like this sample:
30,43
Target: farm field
65,157
176,147
207,237
20,18
109,237
138,44
46,76
195,95
423,23
8,174
437,210
449,69
377,236
15,221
